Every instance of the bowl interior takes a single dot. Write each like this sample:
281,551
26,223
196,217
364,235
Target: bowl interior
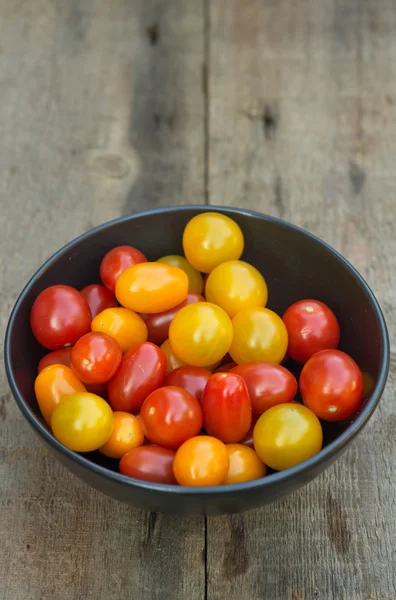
295,265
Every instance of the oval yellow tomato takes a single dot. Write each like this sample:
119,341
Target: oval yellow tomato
200,334
286,435
195,280
210,239
124,325
151,287
52,385
259,334
82,422
235,285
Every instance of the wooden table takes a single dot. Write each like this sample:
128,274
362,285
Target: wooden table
287,107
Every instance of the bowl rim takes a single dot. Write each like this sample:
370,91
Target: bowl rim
326,453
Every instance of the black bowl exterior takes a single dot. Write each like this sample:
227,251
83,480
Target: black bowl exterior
296,265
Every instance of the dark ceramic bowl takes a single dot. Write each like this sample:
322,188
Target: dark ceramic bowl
295,264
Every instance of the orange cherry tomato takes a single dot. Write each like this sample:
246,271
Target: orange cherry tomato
201,461
210,239
151,287
125,326
259,334
195,281
245,465
52,385
200,334
127,433
235,285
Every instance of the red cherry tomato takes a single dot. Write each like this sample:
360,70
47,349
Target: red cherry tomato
170,416
99,389
142,370
95,358
192,379
227,411
116,261
311,327
149,463
331,385
268,384
58,357
158,323
98,298
59,317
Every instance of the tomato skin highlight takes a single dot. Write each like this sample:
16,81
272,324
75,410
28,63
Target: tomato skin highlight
149,463
245,465
151,287
95,358
59,317
227,411
124,325
312,326
158,323
54,383
98,298
57,357
192,379
201,461
142,370
268,384
170,415
116,261
332,385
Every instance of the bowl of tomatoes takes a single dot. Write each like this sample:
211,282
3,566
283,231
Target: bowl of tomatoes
197,360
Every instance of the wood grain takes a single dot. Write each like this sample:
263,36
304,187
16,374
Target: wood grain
101,111
302,125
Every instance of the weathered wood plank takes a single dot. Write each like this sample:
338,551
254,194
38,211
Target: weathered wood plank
101,111
302,125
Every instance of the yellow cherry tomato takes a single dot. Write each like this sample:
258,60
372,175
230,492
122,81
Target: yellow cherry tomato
52,385
127,433
195,280
210,239
235,285
245,465
200,334
125,326
201,460
259,334
172,362
286,435
151,287
82,422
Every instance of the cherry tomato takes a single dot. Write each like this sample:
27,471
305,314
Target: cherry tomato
200,334
227,412
245,465
259,334
201,461
58,357
170,416
311,327
99,389
149,463
226,368
192,379
125,326
142,370
95,358
158,323
267,384
172,362
82,422
331,385
235,285
127,433
151,287
98,298
210,239
116,261
52,385
59,317
286,435
195,281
